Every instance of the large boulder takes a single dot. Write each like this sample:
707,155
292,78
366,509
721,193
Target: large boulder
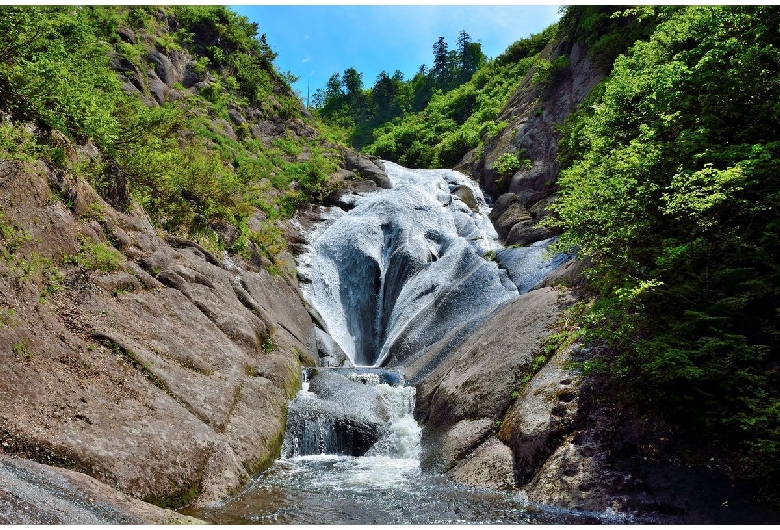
367,168
336,415
465,389
541,415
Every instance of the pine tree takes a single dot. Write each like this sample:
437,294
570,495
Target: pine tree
440,70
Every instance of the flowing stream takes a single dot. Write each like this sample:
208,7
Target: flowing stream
389,277
319,480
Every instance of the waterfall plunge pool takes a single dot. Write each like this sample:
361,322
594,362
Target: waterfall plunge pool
383,486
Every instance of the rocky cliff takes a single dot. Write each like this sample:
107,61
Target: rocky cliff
532,115
130,353
152,364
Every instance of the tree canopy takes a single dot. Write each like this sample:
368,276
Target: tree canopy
345,103
673,192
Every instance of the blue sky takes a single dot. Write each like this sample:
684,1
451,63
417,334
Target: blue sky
315,41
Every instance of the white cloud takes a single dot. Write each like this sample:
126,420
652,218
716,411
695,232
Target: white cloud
307,59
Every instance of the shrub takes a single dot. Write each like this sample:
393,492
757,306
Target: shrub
507,164
97,257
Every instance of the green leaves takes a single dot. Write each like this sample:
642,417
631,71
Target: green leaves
59,70
673,190
694,196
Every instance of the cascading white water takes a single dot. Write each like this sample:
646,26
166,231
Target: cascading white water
404,266
352,413
389,278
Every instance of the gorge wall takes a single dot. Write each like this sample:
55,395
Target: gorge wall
150,375
507,407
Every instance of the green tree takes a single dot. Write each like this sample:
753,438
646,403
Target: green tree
470,57
672,192
441,70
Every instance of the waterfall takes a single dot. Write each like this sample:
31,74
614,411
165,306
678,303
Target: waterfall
353,413
390,277
404,266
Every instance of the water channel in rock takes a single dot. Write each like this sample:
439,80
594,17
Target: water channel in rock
389,276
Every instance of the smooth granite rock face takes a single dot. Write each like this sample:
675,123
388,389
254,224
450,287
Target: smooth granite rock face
32,493
167,378
465,390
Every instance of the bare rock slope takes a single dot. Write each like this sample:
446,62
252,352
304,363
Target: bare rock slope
148,363
532,114
32,493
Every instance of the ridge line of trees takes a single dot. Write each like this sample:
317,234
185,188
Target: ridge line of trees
346,103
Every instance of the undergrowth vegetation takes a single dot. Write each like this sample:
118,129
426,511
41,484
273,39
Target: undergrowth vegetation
673,191
176,157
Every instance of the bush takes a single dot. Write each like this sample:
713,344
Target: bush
97,257
507,164
673,176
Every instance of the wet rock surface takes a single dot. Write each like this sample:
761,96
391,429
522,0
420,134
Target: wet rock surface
336,416
402,267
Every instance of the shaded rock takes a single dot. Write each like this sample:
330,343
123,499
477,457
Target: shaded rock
130,72
236,116
330,353
127,35
157,88
513,214
469,384
527,231
515,217
367,168
465,194
336,416
163,68
32,493
542,413
191,78
501,204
